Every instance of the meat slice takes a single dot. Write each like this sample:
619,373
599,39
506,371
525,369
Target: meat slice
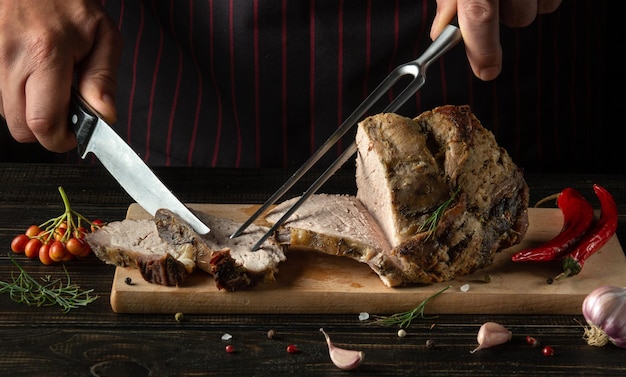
231,261
138,244
338,225
444,163
166,249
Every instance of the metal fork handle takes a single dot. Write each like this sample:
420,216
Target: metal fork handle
448,38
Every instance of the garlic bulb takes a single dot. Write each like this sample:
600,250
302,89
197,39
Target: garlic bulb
605,311
491,334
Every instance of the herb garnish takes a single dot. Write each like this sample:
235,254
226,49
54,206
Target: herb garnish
27,290
404,319
431,222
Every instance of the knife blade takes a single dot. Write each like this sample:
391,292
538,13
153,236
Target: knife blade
94,135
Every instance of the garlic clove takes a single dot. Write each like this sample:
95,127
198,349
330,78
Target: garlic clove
491,334
343,358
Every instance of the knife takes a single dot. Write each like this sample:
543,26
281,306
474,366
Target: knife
94,135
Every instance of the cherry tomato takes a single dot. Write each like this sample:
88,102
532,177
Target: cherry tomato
68,257
33,231
57,251
31,249
76,246
292,348
80,232
230,349
96,224
19,243
44,254
59,233
44,236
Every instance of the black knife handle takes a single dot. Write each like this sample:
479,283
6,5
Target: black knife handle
83,119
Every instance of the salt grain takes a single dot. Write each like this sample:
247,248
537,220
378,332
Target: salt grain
363,316
227,337
464,288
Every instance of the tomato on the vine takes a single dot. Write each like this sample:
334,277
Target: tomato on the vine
44,254
76,246
33,231
18,245
59,233
58,239
96,224
57,251
32,248
68,257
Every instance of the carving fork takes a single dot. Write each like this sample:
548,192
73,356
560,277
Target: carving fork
449,37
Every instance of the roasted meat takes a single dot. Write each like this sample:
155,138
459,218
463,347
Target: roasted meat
436,198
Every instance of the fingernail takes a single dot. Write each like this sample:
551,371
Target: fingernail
487,74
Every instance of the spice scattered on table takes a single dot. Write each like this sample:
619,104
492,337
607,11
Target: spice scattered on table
547,351
271,333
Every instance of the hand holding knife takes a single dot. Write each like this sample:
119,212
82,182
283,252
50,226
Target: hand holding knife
94,135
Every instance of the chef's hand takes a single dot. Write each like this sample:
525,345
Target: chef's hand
480,20
44,46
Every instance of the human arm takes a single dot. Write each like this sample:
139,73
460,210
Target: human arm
480,21
44,47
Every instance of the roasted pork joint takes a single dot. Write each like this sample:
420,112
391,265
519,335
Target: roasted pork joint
436,198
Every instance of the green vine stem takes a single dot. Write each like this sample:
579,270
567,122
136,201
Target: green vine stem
51,225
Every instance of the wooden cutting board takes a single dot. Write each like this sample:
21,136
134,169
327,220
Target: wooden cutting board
314,283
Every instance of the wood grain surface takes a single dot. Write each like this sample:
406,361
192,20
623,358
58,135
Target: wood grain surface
310,282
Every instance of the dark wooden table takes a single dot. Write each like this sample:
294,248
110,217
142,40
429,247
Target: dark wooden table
95,341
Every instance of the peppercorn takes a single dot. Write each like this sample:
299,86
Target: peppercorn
271,333
547,351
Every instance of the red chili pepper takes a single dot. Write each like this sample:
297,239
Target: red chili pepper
577,219
596,238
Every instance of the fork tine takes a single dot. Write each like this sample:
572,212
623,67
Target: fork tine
380,90
332,169
448,38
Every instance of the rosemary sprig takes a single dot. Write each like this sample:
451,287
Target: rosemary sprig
404,319
27,290
431,222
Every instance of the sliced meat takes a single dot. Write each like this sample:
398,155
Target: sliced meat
122,243
166,249
441,163
250,266
338,225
